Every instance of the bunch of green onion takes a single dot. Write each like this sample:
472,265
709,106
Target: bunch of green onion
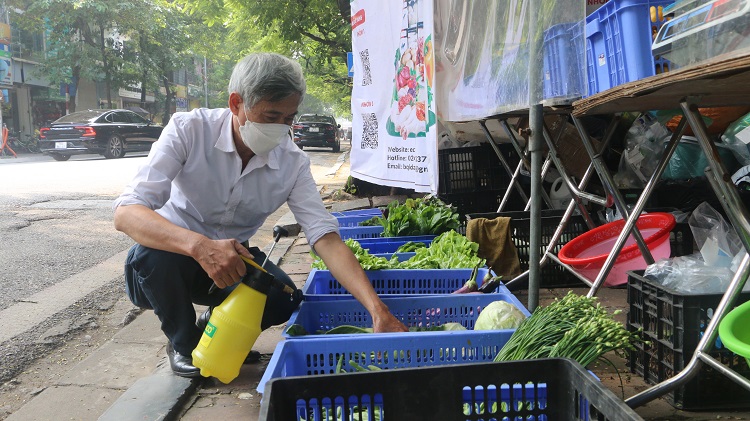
574,327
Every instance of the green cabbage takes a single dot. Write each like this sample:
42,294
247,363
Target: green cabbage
499,315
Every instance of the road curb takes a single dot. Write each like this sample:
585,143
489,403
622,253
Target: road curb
160,396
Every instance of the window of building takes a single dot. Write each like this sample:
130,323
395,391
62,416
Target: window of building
26,44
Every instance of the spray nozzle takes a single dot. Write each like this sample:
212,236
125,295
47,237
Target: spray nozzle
260,280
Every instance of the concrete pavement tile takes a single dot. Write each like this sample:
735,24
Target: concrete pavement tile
350,205
300,246
246,381
296,268
225,407
383,201
298,280
302,241
144,329
266,342
288,222
78,403
237,400
116,365
298,258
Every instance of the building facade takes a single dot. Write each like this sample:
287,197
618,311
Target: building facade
31,101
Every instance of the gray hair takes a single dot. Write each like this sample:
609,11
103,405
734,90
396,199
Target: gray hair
268,76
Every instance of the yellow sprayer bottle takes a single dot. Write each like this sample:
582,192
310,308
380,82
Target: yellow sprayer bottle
234,326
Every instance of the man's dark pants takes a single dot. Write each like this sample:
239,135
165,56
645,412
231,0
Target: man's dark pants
170,283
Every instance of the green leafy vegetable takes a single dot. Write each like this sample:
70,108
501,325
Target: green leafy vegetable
450,326
499,315
348,329
575,327
411,246
296,330
366,260
423,216
449,250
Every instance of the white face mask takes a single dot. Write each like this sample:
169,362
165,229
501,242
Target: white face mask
261,138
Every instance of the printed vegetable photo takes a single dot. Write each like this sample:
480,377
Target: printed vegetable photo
412,91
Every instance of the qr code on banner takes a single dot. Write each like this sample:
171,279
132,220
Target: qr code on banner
364,55
369,131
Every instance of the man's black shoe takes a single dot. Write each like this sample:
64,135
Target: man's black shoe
252,356
181,365
203,319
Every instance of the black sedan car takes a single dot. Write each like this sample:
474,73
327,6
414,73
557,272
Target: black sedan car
317,130
111,133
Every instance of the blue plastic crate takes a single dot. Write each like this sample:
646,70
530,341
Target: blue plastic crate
354,220
357,212
322,286
391,244
387,351
402,239
564,65
361,232
618,43
419,311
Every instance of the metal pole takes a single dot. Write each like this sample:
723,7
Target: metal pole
513,182
536,142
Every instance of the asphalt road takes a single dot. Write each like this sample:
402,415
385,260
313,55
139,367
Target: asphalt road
61,257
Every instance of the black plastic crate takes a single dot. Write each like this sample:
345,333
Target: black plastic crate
552,275
475,168
672,324
683,195
483,201
553,389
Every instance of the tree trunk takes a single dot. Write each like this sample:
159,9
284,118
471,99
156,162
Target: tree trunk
167,100
144,74
345,8
107,76
76,77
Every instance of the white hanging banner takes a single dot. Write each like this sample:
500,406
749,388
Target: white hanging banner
394,124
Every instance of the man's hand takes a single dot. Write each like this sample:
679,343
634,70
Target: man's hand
386,322
221,260
347,270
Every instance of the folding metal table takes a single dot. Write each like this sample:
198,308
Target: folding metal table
722,81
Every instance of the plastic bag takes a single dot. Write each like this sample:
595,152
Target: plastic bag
711,269
447,142
644,145
737,136
716,239
690,275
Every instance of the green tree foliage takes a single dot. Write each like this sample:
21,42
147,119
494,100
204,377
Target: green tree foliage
78,36
315,32
159,44
124,43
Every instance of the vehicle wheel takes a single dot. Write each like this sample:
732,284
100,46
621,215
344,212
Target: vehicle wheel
337,147
58,157
115,147
300,147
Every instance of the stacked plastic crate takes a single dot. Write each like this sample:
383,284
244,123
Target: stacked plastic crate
419,298
353,376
